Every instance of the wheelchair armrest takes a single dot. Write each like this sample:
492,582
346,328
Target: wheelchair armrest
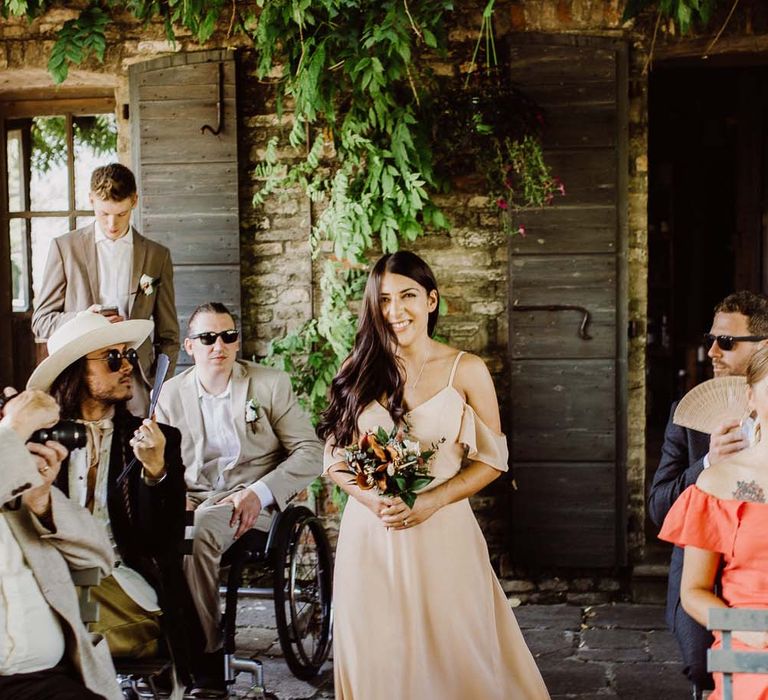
85,579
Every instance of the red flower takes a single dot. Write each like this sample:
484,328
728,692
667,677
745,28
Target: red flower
502,203
521,230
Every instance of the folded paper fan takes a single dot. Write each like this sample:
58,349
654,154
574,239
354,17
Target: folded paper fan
711,403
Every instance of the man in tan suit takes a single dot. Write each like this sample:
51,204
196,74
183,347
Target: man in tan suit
247,446
110,268
45,650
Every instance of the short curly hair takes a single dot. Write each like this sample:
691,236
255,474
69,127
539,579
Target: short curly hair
753,306
113,182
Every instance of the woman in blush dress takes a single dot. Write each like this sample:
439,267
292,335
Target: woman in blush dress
419,613
721,522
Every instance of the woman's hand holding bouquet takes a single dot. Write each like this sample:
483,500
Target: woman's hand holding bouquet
393,469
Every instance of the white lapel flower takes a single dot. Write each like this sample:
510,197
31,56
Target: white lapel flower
147,285
252,413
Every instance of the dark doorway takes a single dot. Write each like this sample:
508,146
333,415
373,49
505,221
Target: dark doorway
705,220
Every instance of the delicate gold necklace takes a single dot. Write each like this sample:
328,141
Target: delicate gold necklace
421,371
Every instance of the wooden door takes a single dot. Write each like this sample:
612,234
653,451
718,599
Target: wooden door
187,176
568,394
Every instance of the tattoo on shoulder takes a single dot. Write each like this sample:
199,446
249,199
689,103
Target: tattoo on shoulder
749,491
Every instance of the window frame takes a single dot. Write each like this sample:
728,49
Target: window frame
15,114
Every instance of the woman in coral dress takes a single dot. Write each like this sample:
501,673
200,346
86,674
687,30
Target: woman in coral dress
722,520
419,613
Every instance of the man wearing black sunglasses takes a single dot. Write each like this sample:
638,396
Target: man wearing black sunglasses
739,328
248,448
145,603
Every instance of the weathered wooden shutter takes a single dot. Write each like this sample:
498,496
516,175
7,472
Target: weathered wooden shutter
568,395
187,179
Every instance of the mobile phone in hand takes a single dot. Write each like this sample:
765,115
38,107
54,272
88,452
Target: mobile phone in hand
108,311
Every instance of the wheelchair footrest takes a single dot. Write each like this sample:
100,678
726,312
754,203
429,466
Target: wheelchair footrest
238,664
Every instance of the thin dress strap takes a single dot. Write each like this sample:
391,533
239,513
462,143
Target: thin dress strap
455,365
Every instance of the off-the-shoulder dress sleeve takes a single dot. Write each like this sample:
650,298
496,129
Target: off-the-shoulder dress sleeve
702,520
332,455
483,444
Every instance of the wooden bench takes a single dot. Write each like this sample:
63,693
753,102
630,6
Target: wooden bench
728,660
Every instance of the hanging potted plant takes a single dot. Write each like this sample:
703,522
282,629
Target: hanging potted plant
490,127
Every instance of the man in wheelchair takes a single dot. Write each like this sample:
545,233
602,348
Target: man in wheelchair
45,650
145,605
248,448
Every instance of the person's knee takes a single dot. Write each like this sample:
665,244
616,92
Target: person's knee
211,530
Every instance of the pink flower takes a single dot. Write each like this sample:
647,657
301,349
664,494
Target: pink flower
559,186
521,230
501,203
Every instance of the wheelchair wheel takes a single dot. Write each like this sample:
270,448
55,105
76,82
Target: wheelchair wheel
303,580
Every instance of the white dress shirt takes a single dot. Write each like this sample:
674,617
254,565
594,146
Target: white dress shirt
31,637
131,581
115,262
222,446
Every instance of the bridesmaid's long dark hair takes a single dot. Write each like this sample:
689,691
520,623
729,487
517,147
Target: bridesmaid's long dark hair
372,370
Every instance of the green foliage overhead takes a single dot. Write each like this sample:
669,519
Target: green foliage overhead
683,12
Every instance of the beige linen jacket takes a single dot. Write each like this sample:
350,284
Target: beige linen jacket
71,284
78,542
281,450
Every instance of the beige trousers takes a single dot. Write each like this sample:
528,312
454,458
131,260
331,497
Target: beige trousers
213,535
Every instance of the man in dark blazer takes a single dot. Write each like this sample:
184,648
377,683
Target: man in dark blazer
146,599
740,326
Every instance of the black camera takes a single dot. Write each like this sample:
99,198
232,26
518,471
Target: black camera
69,433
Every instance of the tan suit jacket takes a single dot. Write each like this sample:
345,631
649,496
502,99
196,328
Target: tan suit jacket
281,450
71,284
78,542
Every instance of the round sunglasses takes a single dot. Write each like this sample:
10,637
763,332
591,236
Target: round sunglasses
114,359
209,337
726,342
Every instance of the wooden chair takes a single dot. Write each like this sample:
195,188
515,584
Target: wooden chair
728,660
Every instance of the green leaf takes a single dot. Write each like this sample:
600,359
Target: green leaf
421,482
409,498
381,436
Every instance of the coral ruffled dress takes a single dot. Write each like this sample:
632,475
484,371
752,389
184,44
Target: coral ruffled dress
419,613
737,531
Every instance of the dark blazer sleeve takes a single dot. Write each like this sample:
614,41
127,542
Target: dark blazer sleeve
162,507
678,468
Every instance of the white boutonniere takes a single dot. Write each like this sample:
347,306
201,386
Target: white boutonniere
147,285
252,413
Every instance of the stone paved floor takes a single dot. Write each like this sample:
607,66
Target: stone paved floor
605,651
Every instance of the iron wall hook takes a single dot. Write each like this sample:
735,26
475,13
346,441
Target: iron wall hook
219,107
562,307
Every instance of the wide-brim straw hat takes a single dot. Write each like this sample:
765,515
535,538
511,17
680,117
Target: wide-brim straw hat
85,333
713,402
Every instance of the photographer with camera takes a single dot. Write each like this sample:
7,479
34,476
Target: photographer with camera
146,601
45,650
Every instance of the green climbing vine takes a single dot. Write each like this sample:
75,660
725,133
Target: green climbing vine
358,91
